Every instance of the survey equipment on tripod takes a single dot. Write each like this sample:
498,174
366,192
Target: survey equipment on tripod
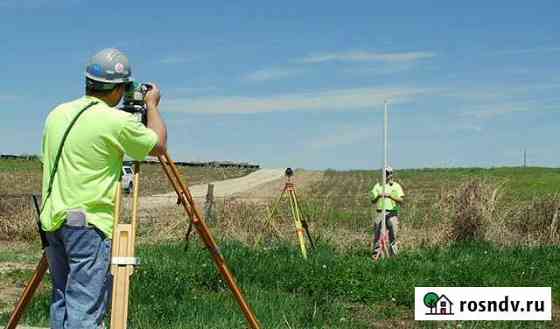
123,258
124,261
289,172
298,216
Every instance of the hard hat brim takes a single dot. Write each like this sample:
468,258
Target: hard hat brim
115,81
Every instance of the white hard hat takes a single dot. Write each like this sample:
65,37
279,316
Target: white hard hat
109,66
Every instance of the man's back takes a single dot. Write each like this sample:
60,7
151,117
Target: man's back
90,165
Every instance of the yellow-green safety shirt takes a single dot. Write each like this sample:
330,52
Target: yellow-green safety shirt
90,167
394,189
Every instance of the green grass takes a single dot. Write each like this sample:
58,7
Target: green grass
176,289
20,165
20,252
525,182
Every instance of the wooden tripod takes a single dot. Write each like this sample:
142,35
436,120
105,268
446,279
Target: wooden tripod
123,260
299,220
186,200
35,281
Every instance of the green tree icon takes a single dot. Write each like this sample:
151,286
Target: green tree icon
430,299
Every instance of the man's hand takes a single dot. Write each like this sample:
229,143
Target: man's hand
155,122
152,97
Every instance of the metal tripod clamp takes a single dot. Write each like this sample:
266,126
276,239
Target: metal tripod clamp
124,261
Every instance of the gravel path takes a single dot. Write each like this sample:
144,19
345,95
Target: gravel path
222,188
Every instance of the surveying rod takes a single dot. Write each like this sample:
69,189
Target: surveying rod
186,199
383,224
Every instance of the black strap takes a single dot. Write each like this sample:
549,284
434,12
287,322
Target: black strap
59,154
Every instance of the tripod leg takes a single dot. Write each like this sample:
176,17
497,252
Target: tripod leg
189,206
123,260
36,279
297,221
28,292
168,172
188,235
303,221
384,238
273,211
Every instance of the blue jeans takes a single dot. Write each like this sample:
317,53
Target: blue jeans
79,263
392,227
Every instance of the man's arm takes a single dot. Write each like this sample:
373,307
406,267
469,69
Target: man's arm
155,122
375,194
399,197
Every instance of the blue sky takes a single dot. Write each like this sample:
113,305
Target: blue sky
302,83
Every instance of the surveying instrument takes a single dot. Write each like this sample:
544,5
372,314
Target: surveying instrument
299,220
123,259
384,236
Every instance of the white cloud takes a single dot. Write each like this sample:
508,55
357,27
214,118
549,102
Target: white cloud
378,69
364,56
340,136
493,101
272,74
190,91
332,100
492,111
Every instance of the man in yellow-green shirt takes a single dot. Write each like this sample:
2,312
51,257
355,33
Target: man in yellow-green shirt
390,198
84,142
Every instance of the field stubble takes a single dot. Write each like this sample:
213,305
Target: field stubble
452,209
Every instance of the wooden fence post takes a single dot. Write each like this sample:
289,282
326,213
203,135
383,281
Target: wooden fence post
209,205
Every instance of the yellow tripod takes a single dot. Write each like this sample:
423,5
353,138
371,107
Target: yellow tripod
299,220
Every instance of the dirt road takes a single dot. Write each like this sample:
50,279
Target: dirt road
222,189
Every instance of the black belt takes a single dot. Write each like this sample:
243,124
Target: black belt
387,211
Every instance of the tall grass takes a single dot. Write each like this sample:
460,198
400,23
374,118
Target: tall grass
18,219
177,289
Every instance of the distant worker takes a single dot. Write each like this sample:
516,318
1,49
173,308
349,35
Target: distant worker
394,196
84,142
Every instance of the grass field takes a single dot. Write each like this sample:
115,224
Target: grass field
460,227
24,176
